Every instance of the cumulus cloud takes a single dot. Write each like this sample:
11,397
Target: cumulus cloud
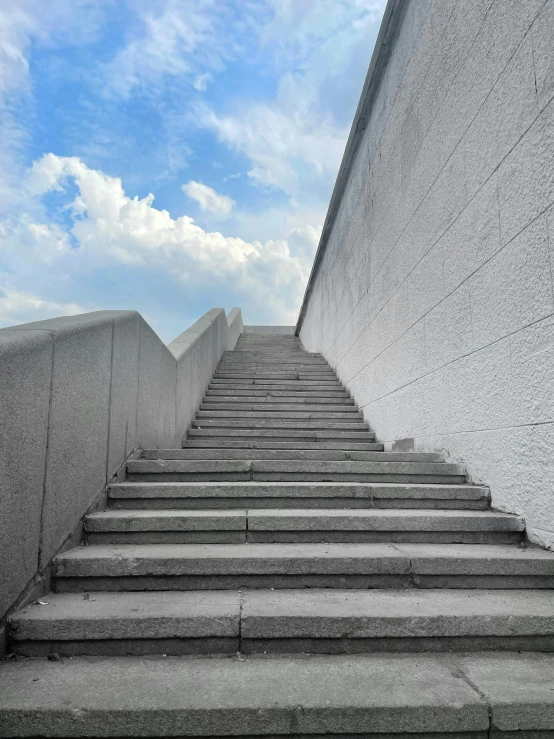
208,199
22,307
109,227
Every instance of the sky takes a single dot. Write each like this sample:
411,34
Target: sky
171,156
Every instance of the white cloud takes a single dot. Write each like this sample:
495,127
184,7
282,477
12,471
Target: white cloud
202,81
173,43
109,227
208,199
23,307
295,142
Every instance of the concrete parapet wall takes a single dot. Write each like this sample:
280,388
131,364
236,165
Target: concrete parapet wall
77,396
432,291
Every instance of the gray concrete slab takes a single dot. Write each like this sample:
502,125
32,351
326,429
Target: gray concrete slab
144,520
430,559
297,489
229,559
518,689
171,696
158,615
381,520
278,423
345,614
286,454
219,442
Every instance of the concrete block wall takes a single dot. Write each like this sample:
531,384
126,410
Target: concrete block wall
432,294
77,396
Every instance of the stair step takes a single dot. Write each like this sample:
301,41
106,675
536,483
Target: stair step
276,410
368,695
291,621
236,566
339,622
284,434
278,423
276,392
267,470
296,494
301,525
350,416
295,454
319,376
203,622
219,442
166,527
277,399
380,525
269,384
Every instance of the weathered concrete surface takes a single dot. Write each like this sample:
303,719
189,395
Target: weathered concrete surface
26,373
433,294
172,697
158,615
78,394
321,614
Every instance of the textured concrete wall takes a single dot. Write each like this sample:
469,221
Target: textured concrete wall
77,396
433,298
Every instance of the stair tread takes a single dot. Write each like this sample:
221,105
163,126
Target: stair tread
288,613
407,694
432,559
302,519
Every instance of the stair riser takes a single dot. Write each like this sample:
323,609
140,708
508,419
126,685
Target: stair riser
218,443
349,645
128,647
308,645
264,434
218,416
311,537
337,581
261,503
252,424
290,454
216,391
275,410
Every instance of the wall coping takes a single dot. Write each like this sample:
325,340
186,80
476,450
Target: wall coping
379,59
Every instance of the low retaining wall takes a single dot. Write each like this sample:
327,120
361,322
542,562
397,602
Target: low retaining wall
77,396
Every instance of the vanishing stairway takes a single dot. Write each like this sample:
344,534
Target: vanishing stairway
281,527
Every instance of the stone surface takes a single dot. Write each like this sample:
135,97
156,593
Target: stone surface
344,614
439,249
26,367
162,615
170,697
124,390
228,559
381,520
166,521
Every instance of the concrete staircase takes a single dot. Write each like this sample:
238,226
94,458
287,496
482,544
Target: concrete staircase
282,528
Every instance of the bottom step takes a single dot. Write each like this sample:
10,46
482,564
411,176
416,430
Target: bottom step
374,696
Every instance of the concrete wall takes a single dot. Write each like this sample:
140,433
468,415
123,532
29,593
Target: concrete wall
77,396
432,292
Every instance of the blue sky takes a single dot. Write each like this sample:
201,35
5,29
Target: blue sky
170,156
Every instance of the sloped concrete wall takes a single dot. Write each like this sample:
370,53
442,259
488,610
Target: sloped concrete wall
77,396
432,293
